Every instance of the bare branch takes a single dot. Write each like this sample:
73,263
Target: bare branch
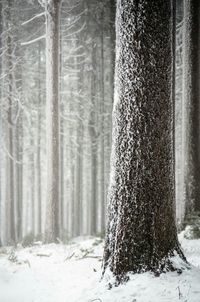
33,41
33,18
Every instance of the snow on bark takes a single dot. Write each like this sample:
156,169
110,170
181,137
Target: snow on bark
141,231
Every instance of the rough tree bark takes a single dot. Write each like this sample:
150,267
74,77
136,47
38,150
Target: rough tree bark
52,82
141,231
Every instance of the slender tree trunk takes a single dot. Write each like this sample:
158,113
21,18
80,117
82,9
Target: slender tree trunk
38,153
1,44
109,93
93,138
191,57
62,153
71,214
102,134
19,136
141,232
62,160
72,208
32,182
79,150
19,148
53,148
11,238
78,182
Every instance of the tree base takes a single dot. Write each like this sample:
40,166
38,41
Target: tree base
174,262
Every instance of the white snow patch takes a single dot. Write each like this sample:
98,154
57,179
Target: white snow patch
72,273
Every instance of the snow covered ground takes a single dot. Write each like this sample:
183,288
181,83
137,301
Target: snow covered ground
71,273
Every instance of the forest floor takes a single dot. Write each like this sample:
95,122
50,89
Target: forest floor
71,273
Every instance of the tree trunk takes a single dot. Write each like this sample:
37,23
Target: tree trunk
1,50
62,153
102,134
19,141
141,232
32,182
19,176
9,128
79,142
191,57
52,82
38,153
93,138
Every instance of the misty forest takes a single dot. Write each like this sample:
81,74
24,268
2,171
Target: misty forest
99,150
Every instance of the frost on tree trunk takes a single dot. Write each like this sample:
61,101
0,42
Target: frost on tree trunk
191,57
141,231
52,82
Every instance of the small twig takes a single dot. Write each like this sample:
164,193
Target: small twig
44,255
69,257
179,293
85,256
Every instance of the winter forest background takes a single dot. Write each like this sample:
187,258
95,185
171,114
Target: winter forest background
88,87
87,47
86,96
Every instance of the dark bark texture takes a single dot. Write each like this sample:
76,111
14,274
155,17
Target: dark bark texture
141,231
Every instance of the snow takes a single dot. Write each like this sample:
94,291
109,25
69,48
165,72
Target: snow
72,273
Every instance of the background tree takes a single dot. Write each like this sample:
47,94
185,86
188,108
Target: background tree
52,10
191,59
9,125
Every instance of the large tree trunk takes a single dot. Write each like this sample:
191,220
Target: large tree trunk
191,57
52,61
141,232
